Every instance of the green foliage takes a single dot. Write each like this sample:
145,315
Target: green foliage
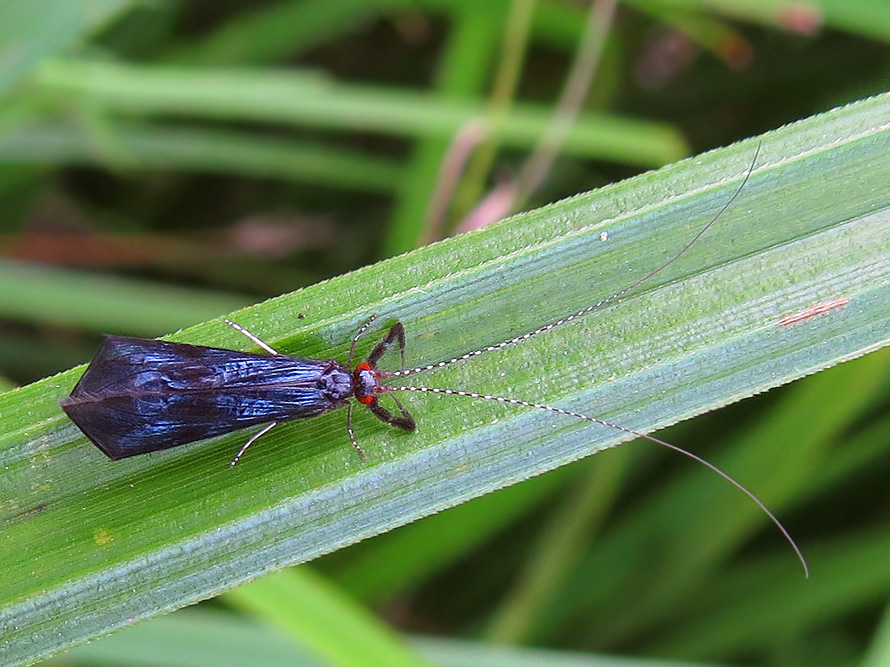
173,133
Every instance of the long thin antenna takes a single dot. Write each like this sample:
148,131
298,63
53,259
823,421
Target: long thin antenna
598,304
569,413
561,411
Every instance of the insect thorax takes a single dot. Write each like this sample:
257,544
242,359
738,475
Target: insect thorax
336,383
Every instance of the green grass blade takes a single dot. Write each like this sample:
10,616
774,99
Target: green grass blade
694,542
205,638
854,575
559,548
313,100
201,150
270,34
32,31
89,545
198,637
320,616
31,293
462,73
413,554
858,17
879,650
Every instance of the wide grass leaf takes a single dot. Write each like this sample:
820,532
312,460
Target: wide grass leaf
89,545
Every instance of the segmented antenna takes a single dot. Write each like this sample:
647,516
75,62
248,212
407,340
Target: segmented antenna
552,325
560,411
598,304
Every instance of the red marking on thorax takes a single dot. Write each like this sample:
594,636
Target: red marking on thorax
367,399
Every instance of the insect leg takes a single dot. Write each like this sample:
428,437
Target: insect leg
253,439
351,433
255,339
396,334
408,419
405,422
358,334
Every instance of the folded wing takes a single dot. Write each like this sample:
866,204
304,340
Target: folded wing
141,396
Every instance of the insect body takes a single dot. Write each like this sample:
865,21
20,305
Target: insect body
141,396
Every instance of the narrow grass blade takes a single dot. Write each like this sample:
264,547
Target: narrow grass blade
304,99
184,149
32,31
205,638
34,293
319,616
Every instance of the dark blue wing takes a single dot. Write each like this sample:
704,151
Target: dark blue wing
140,396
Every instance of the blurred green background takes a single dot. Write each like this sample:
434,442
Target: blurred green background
163,163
